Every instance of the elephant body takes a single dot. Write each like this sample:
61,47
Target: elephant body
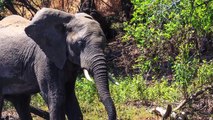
45,55
17,56
17,76
23,65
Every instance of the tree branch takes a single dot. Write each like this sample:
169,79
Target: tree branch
193,96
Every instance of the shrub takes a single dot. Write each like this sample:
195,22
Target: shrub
185,68
160,27
171,35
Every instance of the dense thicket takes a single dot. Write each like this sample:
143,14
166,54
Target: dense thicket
175,38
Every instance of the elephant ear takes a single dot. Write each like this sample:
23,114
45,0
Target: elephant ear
48,31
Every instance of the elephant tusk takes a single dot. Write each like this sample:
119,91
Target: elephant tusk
112,80
86,73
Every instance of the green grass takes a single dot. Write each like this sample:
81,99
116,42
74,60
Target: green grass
93,109
129,90
96,111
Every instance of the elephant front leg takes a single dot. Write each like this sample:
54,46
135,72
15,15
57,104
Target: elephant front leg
55,100
73,110
51,84
56,96
56,106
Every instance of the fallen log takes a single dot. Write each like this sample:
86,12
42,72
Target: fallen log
168,112
193,96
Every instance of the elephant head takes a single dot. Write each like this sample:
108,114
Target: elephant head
77,38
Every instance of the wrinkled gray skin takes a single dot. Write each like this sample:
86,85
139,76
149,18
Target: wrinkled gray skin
45,55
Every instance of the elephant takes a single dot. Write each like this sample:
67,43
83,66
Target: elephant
6,25
45,55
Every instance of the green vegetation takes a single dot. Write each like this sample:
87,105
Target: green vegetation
128,90
93,109
177,34
174,32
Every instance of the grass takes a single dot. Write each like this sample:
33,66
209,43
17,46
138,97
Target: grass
93,109
129,91
96,111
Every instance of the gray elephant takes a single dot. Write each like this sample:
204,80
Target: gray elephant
45,55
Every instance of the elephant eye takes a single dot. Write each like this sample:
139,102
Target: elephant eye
69,29
81,43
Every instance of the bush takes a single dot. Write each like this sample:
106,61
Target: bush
160,27
172,37
185,68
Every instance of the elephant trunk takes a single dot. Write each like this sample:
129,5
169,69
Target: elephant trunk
100,74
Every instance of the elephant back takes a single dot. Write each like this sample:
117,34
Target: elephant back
13,24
